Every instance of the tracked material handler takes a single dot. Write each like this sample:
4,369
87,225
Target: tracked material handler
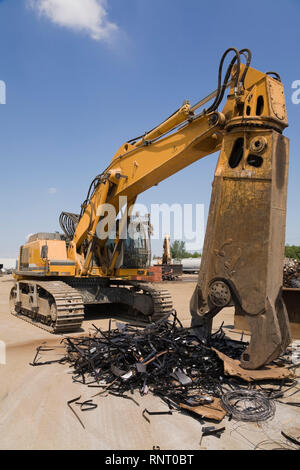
170,271
244,244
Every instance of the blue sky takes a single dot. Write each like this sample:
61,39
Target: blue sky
78,89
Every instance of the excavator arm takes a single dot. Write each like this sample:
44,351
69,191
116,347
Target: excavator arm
135,168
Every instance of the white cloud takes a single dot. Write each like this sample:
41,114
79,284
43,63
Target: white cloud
89,16
52,190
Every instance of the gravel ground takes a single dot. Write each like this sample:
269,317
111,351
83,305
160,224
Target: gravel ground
33,400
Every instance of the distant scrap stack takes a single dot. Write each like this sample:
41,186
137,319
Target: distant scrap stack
291,273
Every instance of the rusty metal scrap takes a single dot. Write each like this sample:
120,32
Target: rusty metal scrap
69,403
154,413
248,405
213,410
291,439
37,362
211,431
163,358
270,372
291,273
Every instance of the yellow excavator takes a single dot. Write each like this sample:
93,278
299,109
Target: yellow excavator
92,262
166,257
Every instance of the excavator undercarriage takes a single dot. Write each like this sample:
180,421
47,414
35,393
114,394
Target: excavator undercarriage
59,306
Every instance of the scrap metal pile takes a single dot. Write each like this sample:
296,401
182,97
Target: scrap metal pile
168,360
165,359
291,273
197,378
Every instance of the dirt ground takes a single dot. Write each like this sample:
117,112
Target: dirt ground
33,400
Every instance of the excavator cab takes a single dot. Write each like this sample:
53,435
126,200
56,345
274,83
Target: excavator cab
135,250
137,246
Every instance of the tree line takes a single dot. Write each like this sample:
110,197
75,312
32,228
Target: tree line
292,251
178,251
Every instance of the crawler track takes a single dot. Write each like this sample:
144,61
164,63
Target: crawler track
57,307
162,301
66,302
